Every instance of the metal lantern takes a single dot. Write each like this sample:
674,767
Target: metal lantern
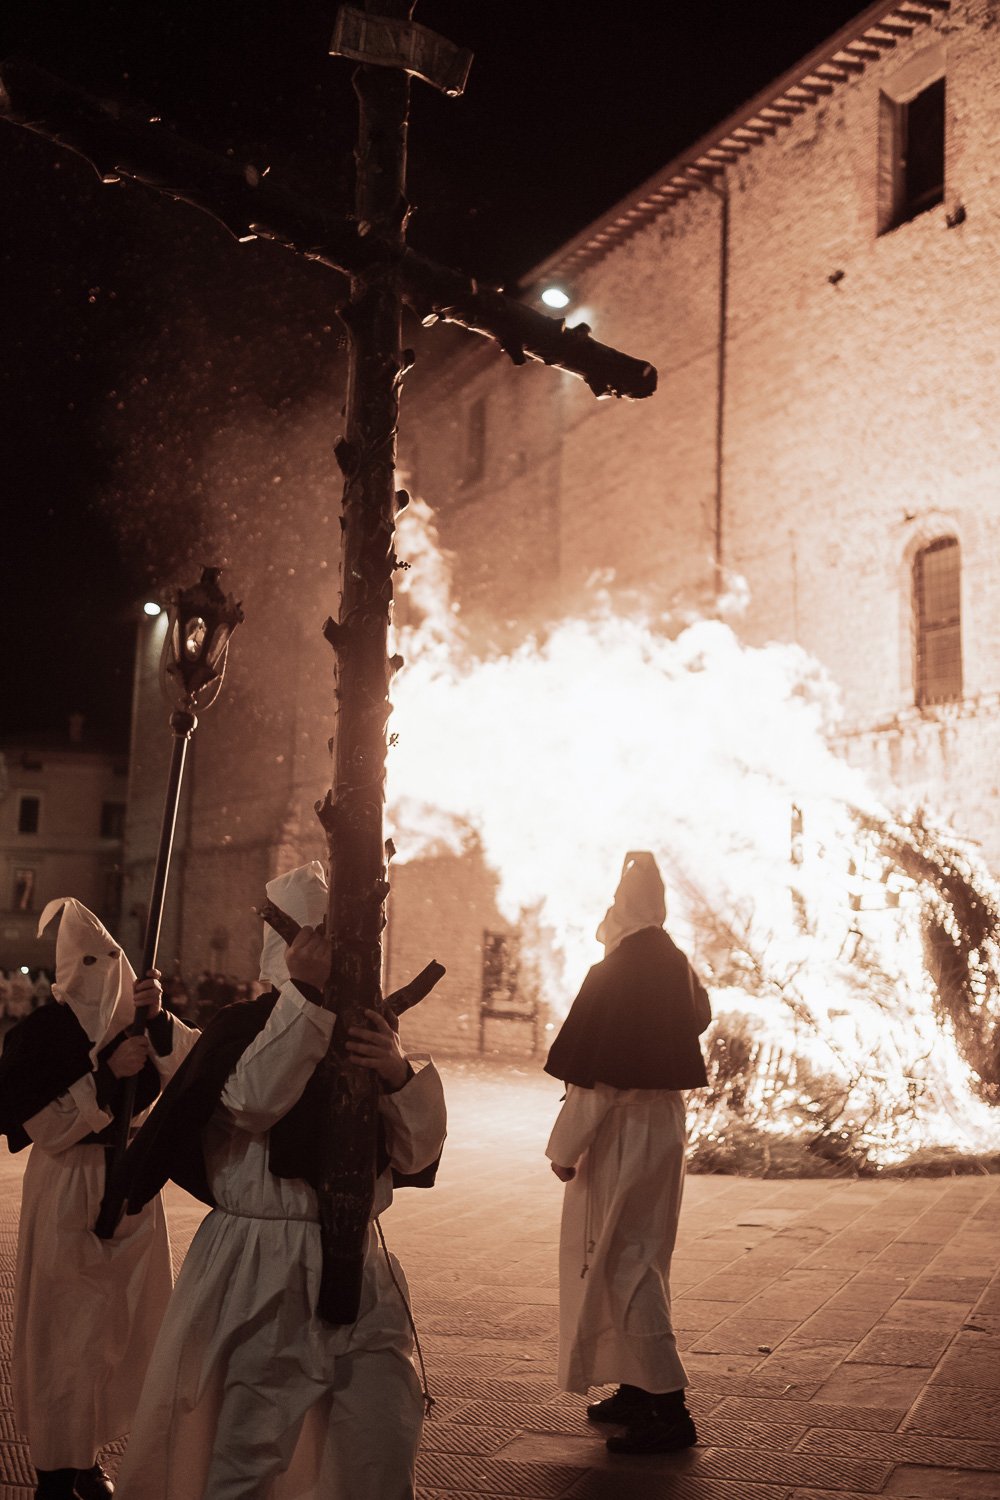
194,653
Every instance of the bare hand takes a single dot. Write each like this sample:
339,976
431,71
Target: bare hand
309,958
565,1174
148,993
377,1046
128,1057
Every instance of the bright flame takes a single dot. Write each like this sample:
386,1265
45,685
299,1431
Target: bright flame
615,733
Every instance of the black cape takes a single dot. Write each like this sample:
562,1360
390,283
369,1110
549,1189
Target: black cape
636,1021
45,1054
169,1145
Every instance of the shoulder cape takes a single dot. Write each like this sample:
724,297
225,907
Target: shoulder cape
636,1021
169,1145
45,1054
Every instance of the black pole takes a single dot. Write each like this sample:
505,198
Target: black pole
183,724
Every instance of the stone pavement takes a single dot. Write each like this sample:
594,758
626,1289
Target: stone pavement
842,1338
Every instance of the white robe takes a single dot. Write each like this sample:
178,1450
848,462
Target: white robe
242,1358
86,1311
619,1220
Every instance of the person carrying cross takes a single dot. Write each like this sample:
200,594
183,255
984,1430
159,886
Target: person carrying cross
251,1394
627,1049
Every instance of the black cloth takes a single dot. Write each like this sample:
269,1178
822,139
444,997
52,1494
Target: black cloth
47,1052
169,1145
635,1022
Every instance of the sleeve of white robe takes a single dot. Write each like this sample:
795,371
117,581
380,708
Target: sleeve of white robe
69,1118
277,1065
182,1039
578,1122
415,1120
76,1113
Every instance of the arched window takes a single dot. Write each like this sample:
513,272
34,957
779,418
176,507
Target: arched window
937,622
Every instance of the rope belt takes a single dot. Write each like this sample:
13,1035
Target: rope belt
239,1213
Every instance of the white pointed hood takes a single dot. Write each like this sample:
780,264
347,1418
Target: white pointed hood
639,901
303,894
93,976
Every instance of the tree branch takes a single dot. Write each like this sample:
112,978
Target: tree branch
121,146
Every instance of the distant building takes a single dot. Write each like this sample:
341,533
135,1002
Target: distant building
816,283
62,828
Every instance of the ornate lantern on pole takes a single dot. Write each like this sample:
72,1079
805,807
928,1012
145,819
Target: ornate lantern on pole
202,620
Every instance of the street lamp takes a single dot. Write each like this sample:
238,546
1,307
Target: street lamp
202,620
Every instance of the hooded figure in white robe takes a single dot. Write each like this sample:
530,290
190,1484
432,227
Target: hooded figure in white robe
251,1395
627,1049
87,1311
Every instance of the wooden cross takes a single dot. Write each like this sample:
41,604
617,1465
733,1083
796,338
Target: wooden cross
384,274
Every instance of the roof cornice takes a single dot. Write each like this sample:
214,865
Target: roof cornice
836,61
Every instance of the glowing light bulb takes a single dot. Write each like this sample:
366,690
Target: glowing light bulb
554,296
151,608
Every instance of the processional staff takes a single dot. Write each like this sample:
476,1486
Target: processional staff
202,619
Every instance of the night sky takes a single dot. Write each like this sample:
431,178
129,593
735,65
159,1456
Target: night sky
113,303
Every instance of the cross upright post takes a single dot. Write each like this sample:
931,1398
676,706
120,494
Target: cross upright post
352,814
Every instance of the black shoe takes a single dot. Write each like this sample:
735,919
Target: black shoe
656,1435
92,1484
628,1404
55,1484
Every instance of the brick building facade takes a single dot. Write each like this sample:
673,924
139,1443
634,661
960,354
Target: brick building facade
816,285
823,426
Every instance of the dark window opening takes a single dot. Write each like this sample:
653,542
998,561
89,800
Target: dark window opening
114,885
28,815
937,622
112,820
923,164
503,995
911,151
501,971
23,896
475,441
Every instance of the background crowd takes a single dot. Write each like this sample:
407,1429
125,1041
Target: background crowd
24,990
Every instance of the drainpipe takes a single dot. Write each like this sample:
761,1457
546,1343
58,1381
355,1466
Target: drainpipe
722,193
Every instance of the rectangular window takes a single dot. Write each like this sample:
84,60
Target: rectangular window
24,890
501,971
911,154
114,883
28,814
503,994
938,622
475,441
112,820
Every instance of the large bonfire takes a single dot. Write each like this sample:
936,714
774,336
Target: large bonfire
851,947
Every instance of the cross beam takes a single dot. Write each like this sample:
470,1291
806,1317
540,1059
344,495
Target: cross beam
120,145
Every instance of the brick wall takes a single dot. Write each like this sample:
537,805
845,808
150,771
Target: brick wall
857,417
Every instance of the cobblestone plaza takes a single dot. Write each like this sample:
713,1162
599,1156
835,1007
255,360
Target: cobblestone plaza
842,1337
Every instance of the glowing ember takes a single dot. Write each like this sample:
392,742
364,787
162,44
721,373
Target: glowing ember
819,918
